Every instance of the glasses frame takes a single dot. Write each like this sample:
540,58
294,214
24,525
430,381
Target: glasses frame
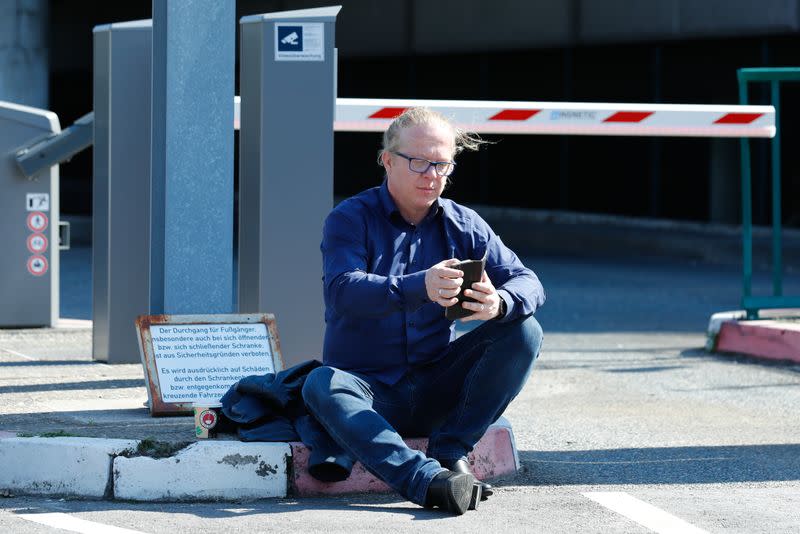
430,163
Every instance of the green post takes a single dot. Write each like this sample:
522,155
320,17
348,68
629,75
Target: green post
747,217
777,265
752,304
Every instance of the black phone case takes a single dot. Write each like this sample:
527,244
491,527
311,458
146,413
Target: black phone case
473,271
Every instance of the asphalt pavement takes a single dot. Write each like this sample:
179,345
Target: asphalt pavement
626,425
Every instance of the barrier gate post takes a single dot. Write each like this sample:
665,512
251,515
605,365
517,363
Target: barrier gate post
288,92
29,219
121,188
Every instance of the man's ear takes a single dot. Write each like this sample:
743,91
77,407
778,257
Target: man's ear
386,159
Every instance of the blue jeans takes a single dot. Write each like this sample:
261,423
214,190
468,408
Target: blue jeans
453,400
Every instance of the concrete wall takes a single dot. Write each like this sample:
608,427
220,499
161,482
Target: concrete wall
23,52
399,27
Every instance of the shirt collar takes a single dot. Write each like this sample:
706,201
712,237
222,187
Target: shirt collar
390,208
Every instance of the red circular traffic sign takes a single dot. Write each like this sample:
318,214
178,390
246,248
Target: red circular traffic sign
37,221
37,243
37,265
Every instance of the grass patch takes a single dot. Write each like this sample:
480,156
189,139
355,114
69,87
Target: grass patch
53,434
152,448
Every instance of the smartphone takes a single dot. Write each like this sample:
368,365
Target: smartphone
473,272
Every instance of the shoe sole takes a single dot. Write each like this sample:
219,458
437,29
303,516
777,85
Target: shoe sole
460,493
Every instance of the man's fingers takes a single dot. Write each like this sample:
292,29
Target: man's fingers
447,272
450,284
479,291
481,311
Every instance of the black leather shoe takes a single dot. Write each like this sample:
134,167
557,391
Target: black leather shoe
451,491
462,466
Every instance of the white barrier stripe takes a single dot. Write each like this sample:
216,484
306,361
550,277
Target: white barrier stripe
568,118
616,130
643,513
74,524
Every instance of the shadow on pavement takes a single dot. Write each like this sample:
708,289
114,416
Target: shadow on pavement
784,365
42,363
372,502
661,465
67,386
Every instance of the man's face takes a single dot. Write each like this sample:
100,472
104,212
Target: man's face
415,192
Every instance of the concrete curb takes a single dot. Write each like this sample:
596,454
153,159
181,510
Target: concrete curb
208,470
59,466
204,470
770,339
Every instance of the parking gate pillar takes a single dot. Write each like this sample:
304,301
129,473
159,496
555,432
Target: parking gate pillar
288,91
29,223
191,263
121,188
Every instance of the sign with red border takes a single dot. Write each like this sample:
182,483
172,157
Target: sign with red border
37,243
37,221
37,265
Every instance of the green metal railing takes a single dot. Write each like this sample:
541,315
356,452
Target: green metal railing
752,304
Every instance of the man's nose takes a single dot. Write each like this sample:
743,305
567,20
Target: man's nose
430,172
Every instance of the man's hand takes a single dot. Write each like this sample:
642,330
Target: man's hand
488,305
443,283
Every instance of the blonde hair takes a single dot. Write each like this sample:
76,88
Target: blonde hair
421,115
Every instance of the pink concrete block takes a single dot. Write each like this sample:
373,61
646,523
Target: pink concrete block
774,340
494,455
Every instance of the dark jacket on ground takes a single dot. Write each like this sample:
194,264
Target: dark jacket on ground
270,408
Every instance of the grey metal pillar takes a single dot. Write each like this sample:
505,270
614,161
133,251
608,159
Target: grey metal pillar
28,223
121,188
288,91
192,156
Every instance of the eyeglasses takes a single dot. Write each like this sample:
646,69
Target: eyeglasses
421,165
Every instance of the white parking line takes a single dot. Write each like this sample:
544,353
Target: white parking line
73,524
645,514
15,353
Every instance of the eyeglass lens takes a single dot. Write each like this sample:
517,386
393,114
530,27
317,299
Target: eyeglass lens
443,168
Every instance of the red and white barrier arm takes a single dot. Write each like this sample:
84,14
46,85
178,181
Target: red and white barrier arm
568,118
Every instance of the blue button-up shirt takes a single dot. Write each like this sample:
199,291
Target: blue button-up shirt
379,320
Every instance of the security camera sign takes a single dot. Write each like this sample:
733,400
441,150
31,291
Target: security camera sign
295,41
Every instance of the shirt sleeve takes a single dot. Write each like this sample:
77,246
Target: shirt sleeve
348,287
516,284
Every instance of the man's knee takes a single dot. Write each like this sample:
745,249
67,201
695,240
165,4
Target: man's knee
526,338
324,382
317,385
532,334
